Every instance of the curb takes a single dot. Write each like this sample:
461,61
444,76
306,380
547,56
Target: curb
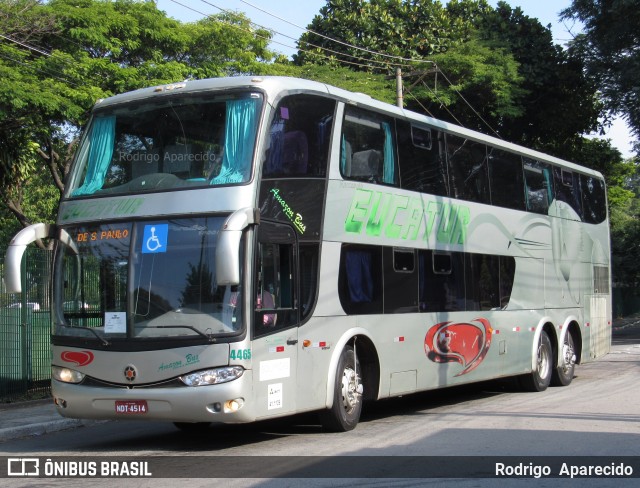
41,428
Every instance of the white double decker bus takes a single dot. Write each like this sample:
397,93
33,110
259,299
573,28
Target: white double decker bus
231,250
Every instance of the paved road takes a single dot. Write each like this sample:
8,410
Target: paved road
597,415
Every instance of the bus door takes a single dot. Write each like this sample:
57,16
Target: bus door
275,320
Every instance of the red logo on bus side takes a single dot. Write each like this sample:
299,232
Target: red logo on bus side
81,358
466,343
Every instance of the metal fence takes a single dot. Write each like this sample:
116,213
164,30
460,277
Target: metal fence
25,331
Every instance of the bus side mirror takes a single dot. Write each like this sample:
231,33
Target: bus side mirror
18,245
228,246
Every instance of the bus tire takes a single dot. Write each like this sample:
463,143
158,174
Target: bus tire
563,374
344,414
540,378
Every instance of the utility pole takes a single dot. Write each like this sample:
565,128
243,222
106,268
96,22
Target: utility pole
399,87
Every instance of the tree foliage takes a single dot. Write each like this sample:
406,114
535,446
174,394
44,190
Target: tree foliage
610,48
559,103
496,70
355,32
57,58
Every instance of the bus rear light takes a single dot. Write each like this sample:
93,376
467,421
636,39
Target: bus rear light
212,376
66,375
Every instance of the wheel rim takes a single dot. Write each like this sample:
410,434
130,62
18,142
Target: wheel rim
350,394
544,361
568,355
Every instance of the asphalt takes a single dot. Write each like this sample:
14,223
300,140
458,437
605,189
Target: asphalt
35,418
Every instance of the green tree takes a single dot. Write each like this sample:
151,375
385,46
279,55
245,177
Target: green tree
57,58
496,70
610,48
355,32
558,103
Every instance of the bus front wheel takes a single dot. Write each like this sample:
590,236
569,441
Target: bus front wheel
540,378
344,414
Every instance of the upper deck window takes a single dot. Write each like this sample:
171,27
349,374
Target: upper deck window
368,147
168,143
299,136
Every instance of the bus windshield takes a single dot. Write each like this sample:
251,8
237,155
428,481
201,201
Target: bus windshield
167,143
145,280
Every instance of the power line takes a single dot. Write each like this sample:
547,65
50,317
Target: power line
377,53
31,48
353,63
469,104
40,50
368,60
49,74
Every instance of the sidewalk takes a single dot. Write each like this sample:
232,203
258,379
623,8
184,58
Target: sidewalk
40,417
34,418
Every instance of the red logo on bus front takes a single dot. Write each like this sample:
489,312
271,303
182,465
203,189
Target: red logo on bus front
80,358
466,343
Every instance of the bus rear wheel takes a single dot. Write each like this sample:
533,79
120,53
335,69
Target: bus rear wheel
540,378
563,374
344,414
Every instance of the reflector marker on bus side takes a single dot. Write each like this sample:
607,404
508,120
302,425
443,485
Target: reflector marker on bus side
276,349
398,339
516,329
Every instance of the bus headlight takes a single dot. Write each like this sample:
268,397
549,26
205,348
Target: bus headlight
66,375
212,376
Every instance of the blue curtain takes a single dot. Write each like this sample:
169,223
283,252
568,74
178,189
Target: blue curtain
101,147
239,140
359,276
389,175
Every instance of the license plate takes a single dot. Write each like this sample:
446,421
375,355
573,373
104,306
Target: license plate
131,407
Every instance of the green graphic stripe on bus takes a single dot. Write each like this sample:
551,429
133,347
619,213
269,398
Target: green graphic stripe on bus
295,218
126,206
381,214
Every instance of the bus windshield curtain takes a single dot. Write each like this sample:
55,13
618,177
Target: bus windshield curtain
238,141
389,163
100,152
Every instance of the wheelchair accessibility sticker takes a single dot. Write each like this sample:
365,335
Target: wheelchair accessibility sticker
154,239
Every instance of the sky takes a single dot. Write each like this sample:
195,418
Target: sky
288,18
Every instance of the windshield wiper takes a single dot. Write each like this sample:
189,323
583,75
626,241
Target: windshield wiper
210,338
102,339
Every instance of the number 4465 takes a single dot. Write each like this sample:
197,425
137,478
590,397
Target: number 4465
239,354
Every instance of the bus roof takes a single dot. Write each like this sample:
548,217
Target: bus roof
274,85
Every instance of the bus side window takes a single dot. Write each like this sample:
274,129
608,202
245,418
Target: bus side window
538,190
275,303
442,287
368,149
400,280
299,137
359,280
468,177
594,199
506,178
567,186
421,167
